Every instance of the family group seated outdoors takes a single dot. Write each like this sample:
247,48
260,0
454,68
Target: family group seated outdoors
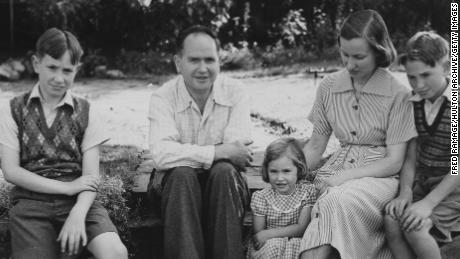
387,192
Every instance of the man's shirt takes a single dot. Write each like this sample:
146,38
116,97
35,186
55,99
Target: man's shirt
180,135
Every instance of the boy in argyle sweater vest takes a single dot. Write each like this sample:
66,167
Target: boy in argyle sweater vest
428,211
50,150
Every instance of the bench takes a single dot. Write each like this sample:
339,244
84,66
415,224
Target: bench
141,179
147,222
255,182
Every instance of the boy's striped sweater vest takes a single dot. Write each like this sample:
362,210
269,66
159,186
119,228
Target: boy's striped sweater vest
433,143
55,151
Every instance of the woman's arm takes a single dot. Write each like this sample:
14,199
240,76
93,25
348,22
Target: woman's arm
315,148
389,165
396,207
408,170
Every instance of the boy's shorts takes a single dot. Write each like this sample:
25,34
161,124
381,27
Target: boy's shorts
36,220
446,215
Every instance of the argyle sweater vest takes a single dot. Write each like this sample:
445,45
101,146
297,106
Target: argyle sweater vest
433,143
50,151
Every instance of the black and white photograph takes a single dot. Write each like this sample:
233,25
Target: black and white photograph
229,129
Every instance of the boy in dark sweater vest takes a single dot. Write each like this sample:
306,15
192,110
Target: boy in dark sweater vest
50,150
428,211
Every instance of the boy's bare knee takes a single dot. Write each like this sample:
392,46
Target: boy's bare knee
422,233
118,251
392,228
108,245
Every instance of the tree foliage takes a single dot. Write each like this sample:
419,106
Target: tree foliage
142,25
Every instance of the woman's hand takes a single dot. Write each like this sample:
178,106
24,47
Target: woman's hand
414,215
396,207
332,181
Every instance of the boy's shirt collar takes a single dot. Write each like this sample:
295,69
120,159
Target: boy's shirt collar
447,93
67,100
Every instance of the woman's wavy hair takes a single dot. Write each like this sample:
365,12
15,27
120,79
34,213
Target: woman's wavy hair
369,25
290,147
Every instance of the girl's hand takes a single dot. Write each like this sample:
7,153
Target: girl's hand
259,239
414,215
73,233
396,207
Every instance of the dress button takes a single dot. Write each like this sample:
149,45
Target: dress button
355,107
353,133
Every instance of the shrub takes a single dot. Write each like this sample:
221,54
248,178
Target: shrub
91,61
281,56
151,62
5,203
237,58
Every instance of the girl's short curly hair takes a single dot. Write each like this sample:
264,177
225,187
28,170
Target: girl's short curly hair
290,147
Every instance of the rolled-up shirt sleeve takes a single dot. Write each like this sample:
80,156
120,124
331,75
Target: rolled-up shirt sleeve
96,131
164,139
239,124
8,128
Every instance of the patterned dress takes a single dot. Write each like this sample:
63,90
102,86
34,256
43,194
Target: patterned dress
349,216
280,211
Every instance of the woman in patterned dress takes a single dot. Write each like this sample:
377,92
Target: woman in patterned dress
281,211
368,111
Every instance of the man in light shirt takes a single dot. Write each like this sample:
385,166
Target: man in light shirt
199,137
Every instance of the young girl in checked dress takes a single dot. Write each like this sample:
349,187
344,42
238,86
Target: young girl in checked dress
281,211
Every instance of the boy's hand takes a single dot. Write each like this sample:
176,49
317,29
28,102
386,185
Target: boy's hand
73,231
83,183
414,215
396,207
259,239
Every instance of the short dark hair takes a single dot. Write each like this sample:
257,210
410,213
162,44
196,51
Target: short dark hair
369,25
196,29
293,149
427,47
55,42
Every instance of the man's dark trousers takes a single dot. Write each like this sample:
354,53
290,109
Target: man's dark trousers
203,211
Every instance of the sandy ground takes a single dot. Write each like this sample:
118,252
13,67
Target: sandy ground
123,105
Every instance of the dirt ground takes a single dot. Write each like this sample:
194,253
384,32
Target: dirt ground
123,105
